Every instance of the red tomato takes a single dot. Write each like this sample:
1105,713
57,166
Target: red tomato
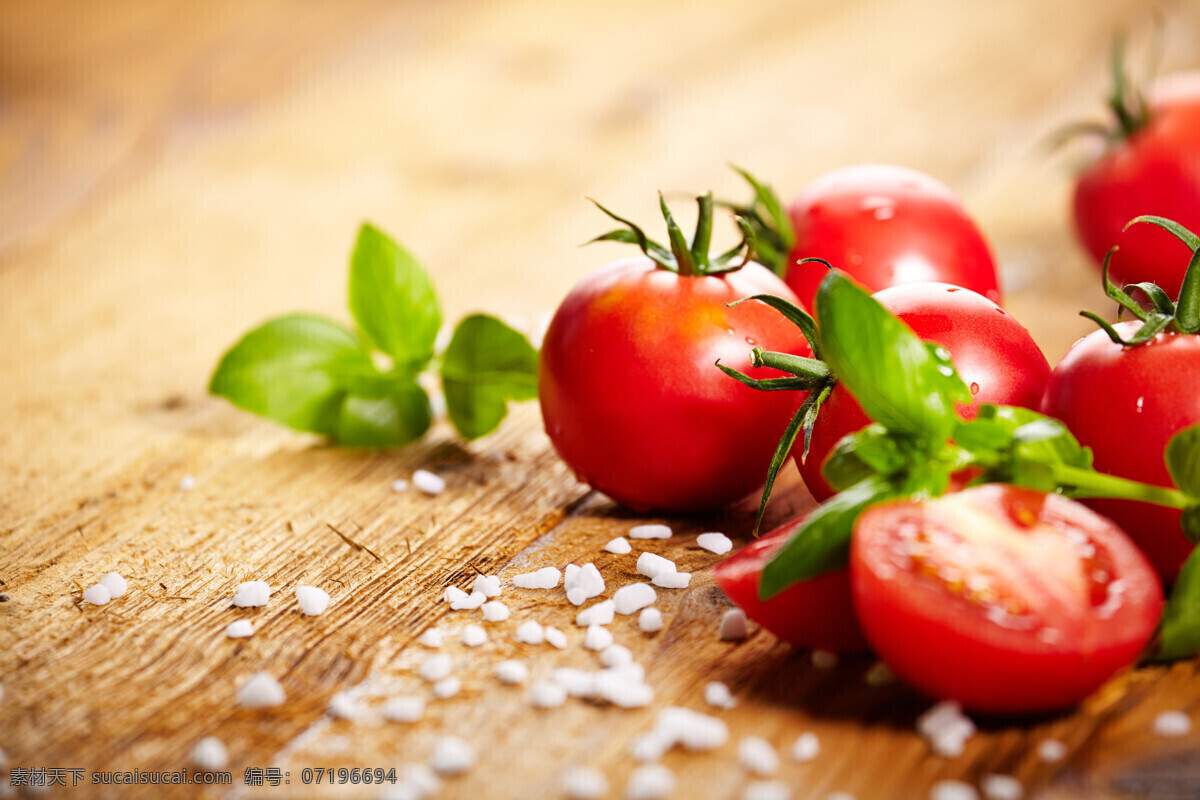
1004,599
630,395
1126,403
1154,169
994,354
817,613
883,226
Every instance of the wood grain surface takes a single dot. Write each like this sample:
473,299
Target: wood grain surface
173,173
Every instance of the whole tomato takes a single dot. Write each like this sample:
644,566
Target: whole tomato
995,355
629,393
1150,165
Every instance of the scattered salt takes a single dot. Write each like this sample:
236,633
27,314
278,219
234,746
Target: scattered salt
454,593
767,790
469,603
652,565
422,779
619,545
447,687
252,594
583,583
650,620
488,584
428,482
554,637
806,747
432,637
547,694
209,754
260,691
615,656
409,708
399,485
633,597
650,782
342,706
648,746
650,532
952,790
512,672
717,543
733,625
824,659
494,611
695,731
530,632
717,694
435,668
599,614
115,584
1001,787
576,682
756,755
97,595
1172,723
313,601
673,580
544,578
597,638
239,629
473,636
584,783
946,728
187,483
1052,750
452,756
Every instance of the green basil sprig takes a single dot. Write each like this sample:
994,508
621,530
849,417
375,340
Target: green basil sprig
317,375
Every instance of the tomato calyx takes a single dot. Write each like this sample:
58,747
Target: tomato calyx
1179,316
1127,102
774,233
683,257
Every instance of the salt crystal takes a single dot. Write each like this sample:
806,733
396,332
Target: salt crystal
733,625
616,656
648,746
756,755
432,637
633,597
512,672
650,782
435,668
693,730
544,578
1172,723
570,572
422,779
239,629
399,485
824,659
428,482
97,595
209,754
447,688
554,637
1052,750
252,594
452,756
576,596
806,747
409,708
672,580
530,632
946,728
547,694
650,620
717,543
767,790
597,638
469,603
1001,787
652,565
313,601
488,584
619,545
599,614
576,682
624,693
495,611
717,694
473,636
454,593
187,483
115,584
584,783
342,706
260,691
650,532
952,790
583,583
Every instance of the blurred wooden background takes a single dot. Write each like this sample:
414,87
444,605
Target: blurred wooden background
172,173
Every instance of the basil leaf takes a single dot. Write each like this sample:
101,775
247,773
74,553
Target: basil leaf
393,300
293,369
1183,460
485,365
901,382
383,413
870,451
1181,618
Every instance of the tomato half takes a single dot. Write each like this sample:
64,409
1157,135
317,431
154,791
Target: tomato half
630,395
1126,403
1004,599
886,225
995,355
817,613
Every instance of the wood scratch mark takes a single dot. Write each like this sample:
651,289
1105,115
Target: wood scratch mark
355,545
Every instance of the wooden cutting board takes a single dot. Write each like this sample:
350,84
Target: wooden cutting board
171,174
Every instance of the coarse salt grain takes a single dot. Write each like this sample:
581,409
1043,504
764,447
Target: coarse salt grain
717,543
342,706
597,638
584,783
952,790
187,483
693,730
437,667
650,782
554,637
454,593
946,728
209,754
544,578
1001,787
767,790
473,636
96,595
648,746
399,485
495,611
432,637
530,632
652,565
824,659
650,620
619,545
583,583
512,672
447,687
1172,723
547,694
616,656
115,584
599,614
633,598
239,629
733,625
488,584
260,691
1051,750
756,755
469,603
717,694
403,709
452,756
428,482
673,580
576,682
422,779
252,594
806,747
650,532
313,601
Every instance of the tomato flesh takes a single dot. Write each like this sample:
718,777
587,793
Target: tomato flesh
816,613
1004,599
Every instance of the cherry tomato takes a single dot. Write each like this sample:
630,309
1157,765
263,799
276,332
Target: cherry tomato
630,395
994,354
1125,403
886,225
1004,599
816,613
1152,166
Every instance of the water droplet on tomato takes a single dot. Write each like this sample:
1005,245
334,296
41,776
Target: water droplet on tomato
1140,401
974,389
750,341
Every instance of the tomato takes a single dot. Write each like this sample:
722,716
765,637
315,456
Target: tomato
886,225
994,354
815,613
1150,167
1125,403
630,395
1004,599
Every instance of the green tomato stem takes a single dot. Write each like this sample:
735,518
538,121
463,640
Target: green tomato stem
1090,483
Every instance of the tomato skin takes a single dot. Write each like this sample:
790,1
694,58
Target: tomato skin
818,613
1154,171
1068,632
630,395
995,355
886,225
1126,403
